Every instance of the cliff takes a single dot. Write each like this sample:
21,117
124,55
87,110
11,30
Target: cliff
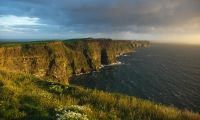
60,59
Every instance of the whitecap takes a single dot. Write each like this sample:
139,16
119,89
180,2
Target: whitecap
126,55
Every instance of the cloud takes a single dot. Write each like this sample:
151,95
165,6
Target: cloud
101,16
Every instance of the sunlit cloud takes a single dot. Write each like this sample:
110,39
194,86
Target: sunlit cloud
178,39
131,19
15,20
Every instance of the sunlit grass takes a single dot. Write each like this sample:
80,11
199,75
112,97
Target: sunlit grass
28,97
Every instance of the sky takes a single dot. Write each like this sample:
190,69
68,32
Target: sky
176,21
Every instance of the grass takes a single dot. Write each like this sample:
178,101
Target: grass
83,39
75,40
8,44
25,97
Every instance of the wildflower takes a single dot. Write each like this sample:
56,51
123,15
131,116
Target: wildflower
73,112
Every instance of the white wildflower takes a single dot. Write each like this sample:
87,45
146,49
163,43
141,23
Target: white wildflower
68,113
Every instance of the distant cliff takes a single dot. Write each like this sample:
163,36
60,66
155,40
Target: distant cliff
61,59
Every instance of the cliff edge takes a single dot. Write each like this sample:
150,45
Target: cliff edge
61,59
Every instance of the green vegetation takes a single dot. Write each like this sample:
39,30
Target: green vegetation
10,43
25,97
75,40
5,44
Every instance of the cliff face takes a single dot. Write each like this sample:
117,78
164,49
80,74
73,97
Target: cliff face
37,59
59,60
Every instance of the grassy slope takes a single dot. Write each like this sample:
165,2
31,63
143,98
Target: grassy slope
2,44
75,40
28,97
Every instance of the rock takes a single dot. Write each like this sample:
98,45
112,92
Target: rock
61,59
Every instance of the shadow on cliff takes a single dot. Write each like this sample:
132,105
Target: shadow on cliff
104,57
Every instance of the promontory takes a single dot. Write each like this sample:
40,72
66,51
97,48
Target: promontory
59,60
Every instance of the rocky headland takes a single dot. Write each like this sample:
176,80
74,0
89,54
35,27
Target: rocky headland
61,59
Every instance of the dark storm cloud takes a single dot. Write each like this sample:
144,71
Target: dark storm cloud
103,16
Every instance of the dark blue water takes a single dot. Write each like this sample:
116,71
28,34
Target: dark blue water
167,74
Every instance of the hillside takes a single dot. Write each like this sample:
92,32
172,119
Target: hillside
26,97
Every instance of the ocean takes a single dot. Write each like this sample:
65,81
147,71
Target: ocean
164,73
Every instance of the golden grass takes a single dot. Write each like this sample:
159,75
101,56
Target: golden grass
28,97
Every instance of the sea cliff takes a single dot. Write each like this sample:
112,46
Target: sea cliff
61,59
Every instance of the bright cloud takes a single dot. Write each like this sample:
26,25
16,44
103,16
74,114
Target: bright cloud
15,20
129,19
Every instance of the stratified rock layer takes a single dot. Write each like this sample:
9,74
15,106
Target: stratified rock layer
61,59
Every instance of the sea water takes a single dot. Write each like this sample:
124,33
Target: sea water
164,73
